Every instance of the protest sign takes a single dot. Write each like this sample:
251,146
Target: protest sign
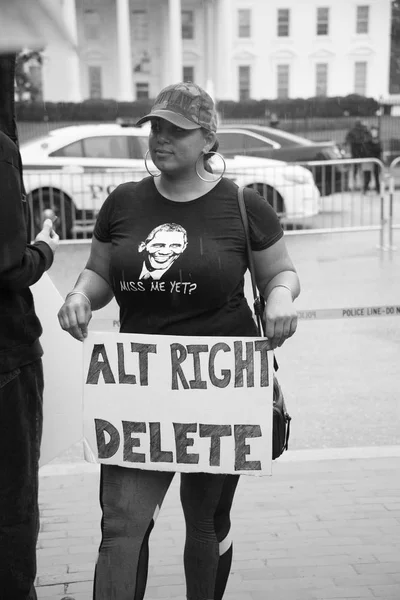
178,403
62,367
175,403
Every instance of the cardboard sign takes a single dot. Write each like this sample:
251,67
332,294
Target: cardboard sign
177,403
63,374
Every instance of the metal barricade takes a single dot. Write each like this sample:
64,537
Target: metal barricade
309,197
74,193
392,188
344,202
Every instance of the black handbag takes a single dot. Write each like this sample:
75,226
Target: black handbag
281,418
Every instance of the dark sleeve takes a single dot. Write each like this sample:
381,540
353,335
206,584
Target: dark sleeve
102,228
21,264
112,206
265,228
7,105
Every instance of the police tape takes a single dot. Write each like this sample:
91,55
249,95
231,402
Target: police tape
349,313
304,315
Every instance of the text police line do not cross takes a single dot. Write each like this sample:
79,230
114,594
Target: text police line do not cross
392,310
178,432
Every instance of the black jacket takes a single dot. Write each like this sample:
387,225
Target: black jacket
375,148
359,139
21,265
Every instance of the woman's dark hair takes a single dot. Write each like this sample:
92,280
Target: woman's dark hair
209,155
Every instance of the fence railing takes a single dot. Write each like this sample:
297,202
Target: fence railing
348,202
393,177
310,197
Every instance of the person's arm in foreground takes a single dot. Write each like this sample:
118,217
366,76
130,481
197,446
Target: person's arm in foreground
279,284
21,264
91,292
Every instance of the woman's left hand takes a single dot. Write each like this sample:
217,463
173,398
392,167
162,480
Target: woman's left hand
280,316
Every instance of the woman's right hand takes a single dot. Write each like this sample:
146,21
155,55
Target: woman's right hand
74,316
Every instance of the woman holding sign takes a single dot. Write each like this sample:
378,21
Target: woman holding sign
171,249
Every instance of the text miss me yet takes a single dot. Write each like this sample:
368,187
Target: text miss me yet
192,366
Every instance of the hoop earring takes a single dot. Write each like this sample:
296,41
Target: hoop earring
147,168
210,180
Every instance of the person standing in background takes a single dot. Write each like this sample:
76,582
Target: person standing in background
21,377
358,140
374,151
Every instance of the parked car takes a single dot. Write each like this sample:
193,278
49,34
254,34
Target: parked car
73,169
268,142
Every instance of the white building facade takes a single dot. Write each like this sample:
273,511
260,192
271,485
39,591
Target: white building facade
237,49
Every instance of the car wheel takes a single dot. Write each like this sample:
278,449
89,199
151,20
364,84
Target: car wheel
271,195
59,203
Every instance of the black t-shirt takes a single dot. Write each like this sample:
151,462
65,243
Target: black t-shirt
177,268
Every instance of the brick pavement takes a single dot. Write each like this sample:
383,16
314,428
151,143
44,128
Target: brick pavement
316,530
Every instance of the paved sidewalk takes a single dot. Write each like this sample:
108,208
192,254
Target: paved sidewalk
325,525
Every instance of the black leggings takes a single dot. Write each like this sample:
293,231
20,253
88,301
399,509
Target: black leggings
131,499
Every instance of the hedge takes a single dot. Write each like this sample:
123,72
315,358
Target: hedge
110,110
88,110
300,108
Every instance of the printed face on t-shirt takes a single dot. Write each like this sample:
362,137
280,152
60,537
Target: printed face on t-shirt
163,246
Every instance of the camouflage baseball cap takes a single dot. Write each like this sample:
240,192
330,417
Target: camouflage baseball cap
185,105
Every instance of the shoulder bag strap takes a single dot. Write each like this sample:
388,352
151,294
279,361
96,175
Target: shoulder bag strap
259,302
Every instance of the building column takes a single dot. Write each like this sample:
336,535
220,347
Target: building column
71,65
125,74
174,66
209,47
223,32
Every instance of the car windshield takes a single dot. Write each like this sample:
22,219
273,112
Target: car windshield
284,138
236,142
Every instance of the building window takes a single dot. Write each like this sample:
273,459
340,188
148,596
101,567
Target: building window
188,74
95,84
322,21
140,25
244,82
283,22
283,81
142,63
321,77
244,18
362,19
360,78
91,24
187,25
142,90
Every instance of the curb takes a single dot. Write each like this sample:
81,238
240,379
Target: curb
293,456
